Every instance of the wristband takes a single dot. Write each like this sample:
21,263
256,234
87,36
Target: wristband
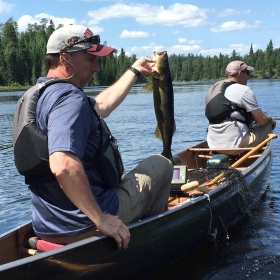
135,71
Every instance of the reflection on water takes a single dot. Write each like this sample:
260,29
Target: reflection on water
253,249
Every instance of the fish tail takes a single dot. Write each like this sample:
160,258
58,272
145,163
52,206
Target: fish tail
158,133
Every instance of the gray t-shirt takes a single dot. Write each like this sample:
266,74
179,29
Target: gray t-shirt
230,133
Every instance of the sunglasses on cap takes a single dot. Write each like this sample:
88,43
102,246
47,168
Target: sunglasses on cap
95,40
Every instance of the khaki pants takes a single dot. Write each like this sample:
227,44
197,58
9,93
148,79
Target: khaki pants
256,135
144,190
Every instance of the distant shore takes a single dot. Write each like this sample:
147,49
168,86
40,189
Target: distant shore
11,88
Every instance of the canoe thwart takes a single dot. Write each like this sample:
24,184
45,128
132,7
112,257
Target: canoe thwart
221,150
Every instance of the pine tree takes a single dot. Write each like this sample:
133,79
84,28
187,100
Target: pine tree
22,59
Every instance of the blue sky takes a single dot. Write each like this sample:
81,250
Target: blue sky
196,27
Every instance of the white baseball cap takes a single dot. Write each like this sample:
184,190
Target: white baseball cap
72,38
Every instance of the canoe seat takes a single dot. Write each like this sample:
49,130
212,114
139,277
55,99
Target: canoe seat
42,245
231,152
231,156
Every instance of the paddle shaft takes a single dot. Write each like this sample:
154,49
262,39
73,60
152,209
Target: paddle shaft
242,159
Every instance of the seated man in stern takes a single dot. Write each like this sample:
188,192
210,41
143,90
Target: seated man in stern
231,108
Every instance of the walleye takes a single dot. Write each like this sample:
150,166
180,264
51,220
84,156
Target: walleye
163,101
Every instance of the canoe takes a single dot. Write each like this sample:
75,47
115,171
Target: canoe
194,216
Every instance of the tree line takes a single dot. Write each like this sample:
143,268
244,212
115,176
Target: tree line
22,59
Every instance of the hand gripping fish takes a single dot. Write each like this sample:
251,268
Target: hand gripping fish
163,101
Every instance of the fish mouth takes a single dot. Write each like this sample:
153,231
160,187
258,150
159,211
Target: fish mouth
159,58
159,54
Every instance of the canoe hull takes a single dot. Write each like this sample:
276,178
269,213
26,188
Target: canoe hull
155,242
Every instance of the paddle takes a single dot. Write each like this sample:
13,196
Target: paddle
194,184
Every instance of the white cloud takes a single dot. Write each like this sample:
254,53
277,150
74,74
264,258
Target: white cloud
232,12
189,42
195,42
27,19
182,40
179,49
235,25
239,48
134,34
96,29
5,7
184,15
149,50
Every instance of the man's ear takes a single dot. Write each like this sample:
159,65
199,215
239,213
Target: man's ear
64,57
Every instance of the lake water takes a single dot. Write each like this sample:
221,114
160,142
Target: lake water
253,250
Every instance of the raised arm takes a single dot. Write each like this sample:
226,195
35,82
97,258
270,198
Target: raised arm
112,97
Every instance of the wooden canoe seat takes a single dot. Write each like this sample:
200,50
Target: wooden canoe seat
209,156
207,153
223,150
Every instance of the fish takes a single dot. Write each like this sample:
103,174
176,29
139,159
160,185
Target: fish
163,96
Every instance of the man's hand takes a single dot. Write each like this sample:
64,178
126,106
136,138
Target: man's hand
112,226
144,65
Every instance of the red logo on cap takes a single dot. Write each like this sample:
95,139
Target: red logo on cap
88,33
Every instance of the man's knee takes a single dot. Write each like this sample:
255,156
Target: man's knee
162,162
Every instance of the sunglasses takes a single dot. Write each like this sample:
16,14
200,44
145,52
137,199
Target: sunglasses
246,71
95,40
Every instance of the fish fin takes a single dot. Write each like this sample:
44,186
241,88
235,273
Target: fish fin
148,87
157,133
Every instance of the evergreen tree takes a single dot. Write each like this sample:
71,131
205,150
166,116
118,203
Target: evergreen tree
270,60
10,52
198,66
22,59
251,57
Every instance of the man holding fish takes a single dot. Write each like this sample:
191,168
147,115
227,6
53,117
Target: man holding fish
68,204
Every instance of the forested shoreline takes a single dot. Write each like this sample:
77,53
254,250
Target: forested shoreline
22,60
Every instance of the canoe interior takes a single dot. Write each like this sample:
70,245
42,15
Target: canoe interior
14,244
197,156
